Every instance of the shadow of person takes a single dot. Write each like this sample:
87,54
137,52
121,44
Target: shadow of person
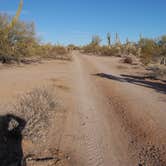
11,153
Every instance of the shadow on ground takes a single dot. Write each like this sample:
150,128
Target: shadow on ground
137,80
11,153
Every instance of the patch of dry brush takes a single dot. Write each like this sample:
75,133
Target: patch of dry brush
37,108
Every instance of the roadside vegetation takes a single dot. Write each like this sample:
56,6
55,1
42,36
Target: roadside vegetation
37,108
26,125
19,42
147,51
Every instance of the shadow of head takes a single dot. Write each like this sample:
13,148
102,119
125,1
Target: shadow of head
11,127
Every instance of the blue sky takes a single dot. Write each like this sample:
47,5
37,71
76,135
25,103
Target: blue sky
75,21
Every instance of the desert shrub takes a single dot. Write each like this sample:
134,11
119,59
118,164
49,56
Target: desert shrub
7,59
96,40
71,47
18,41
15,36
128,60
36,108
148,47
56,52
91,48
60,50
94,46
162,45
108,51
130,49
158,72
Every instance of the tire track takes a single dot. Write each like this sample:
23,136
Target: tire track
87,111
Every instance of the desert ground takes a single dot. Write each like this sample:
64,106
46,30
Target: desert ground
109,113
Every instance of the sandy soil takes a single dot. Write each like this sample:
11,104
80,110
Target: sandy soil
111,114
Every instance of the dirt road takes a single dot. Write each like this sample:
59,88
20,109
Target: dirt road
113,115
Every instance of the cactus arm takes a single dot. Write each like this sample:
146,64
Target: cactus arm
16,17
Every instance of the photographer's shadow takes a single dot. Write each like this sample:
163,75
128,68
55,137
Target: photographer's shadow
11,153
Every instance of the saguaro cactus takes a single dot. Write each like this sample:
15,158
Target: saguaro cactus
109,39
117,39
127,40
16,17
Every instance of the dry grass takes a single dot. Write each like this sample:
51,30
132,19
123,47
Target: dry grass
128,60
121,67
91,49
36,108
106,51
157,72
58,52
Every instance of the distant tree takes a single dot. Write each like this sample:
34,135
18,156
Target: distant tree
162,46
148,49
96,40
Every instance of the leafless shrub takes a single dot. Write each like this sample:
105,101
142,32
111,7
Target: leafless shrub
157,72
120,67
128,60
91,49
6,59
36,107
107,51
58,52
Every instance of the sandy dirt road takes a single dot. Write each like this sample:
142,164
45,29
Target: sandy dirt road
112,117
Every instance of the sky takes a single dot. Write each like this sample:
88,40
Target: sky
76,21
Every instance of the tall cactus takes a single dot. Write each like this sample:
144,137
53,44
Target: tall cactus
109,39
16,17
127,40
117,39
140,36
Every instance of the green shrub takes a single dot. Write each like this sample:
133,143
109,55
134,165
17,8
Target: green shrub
94,46
91,48
148,47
